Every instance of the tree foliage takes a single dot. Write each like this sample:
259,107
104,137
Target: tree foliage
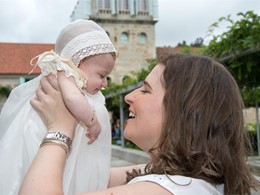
113,103
198,42
5,90
239,49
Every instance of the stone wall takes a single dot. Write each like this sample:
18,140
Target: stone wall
250,115
132,55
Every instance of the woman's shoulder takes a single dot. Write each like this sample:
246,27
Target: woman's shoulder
178,184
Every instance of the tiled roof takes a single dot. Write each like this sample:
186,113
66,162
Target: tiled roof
178,49
15,57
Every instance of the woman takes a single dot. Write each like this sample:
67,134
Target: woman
187,116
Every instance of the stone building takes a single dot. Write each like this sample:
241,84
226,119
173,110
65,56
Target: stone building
130,25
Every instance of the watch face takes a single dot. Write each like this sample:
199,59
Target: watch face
50,135
58,136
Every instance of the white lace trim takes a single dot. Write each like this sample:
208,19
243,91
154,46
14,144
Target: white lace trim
92,50
87,44
51,63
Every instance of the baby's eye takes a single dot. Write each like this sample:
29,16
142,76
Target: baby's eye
102,76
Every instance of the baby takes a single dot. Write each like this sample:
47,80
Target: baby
84,56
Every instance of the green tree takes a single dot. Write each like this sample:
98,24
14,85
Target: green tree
5,91
239,49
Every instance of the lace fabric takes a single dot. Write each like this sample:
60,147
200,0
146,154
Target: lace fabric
82,35
92,50
87,44
51,63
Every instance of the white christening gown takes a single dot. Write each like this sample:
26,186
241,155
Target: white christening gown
22,131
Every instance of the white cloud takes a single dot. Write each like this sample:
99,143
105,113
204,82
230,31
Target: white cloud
188,19
40,21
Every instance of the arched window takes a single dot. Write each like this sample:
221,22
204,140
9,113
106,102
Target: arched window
126,79
142,38
124,37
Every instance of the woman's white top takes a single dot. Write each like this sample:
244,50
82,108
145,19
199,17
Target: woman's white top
181,185
22,131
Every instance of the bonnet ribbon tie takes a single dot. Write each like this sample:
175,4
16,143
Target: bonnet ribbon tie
52,59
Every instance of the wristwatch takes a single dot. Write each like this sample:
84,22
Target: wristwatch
58,136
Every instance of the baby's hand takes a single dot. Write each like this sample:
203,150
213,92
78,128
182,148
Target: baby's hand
93,131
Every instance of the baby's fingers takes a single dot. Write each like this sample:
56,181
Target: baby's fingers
92,137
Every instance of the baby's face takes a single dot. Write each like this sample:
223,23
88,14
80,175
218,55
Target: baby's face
97,68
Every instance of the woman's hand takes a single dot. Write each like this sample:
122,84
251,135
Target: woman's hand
49,104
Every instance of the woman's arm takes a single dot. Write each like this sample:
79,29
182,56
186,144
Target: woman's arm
118,174
45,174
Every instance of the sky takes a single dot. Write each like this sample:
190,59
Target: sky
40,21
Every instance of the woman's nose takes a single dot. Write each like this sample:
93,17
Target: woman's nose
129,98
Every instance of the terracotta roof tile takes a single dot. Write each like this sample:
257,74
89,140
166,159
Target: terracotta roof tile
15,57
178,49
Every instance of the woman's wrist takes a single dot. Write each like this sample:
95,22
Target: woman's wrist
58,139
67,129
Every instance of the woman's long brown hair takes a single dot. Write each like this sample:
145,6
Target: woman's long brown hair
203,133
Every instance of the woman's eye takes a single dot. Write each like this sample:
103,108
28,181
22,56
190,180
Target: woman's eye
144,91
101,76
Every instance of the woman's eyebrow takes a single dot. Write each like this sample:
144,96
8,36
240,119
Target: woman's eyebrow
147,84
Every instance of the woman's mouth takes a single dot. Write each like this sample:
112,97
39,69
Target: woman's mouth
131,115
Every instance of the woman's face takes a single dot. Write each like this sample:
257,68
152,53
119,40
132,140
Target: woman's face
97,68
146,111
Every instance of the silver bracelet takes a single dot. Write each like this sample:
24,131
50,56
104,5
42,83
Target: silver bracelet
57,143
61,138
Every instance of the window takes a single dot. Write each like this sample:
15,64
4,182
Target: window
143,5
104,4
25,79
124,37
142,38
123,4
126,80
109,81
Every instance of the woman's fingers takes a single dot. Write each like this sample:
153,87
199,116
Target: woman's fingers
46,86
37,100
40,94
35,103
53,81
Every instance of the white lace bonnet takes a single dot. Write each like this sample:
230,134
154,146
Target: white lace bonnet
82,38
